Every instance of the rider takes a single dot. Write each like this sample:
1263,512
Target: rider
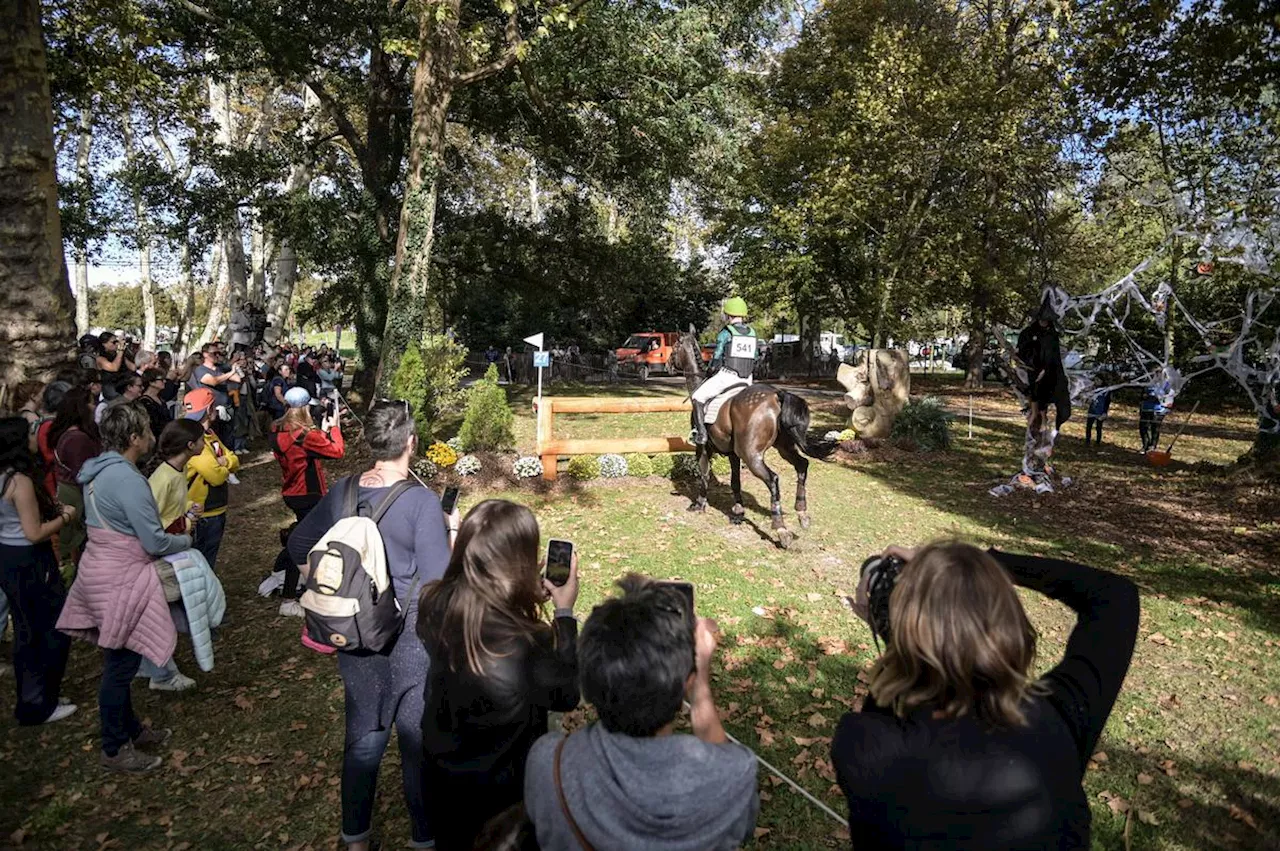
732,365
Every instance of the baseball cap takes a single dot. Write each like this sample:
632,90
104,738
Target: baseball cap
195,403
297,397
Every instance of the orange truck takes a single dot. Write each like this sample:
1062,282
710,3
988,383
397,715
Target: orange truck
648,353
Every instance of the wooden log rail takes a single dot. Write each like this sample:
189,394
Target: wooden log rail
549,448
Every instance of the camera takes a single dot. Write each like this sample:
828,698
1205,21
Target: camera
881,574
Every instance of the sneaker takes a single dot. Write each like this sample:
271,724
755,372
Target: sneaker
292,609
62,710
231,479
150,738
178,682
129,760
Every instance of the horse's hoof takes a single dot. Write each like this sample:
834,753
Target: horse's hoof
698,507
804,521
785,538
736,519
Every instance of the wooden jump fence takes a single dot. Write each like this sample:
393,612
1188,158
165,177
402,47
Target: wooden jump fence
550,449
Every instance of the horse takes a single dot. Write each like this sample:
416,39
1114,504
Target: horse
748,424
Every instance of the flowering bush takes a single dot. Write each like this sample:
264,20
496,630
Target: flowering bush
425,468
613,466
528,467
454,443
639,465
831,436
441,455
847,434
584,467
468,465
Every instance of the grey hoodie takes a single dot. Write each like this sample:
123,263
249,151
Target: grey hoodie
668,793
122,501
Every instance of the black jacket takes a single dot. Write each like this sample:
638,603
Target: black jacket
922,782
477,731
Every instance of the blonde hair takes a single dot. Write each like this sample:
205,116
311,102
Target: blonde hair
295,418
960,640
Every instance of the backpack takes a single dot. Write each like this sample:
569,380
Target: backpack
349,602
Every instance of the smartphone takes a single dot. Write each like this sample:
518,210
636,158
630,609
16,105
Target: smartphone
449,501
685,588
559,560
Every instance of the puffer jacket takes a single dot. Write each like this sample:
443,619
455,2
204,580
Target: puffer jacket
204,600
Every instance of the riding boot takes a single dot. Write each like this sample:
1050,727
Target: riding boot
699,423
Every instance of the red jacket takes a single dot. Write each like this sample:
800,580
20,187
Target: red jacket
46,457
299,452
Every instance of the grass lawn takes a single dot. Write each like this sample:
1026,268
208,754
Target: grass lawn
1190,758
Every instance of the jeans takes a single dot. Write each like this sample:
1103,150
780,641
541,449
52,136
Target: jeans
115,704
1149,429
1089,425
208,537
164,673
301,506
30,580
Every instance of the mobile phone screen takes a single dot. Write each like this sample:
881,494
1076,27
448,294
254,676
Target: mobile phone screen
449,501
685,588
559,559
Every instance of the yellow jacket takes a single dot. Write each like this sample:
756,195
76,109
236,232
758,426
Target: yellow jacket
169,487
207,479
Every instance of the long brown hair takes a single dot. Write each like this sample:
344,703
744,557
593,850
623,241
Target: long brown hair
960,639
490,587
296,418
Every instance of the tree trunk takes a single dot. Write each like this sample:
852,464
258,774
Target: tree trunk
412,309
79,256
977,354
286,259
231,234
37,312
259,259
186,318
142,234
218,301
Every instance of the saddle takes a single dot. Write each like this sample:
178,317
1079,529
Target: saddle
714,406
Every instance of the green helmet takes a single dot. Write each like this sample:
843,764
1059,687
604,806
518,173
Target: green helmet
735,307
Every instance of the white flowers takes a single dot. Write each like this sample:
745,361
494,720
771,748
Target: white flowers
612,466
527,467
468,465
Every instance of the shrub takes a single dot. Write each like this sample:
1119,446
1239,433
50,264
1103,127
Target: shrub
527,467
612,466
425,468
441,455
584,467
720,465
663,464
639,466
832,436
468,465
488,420
455,444
410,383
847,434
684,466
923,423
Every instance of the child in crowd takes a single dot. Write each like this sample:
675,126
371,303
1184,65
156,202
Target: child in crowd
1155,405
208,472
1099,409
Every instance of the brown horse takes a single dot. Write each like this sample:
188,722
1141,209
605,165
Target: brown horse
747,425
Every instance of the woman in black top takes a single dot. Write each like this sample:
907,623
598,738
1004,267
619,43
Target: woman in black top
956,747
497,668
158,413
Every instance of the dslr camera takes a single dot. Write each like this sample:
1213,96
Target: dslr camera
881,573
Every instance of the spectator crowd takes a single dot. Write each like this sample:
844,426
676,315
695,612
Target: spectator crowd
116,479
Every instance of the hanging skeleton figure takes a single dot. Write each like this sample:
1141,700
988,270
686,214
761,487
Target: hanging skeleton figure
1043,381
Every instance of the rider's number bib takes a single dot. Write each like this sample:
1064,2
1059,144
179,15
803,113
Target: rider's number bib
742,347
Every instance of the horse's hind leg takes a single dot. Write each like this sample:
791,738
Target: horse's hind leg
793,456
755,463
735,478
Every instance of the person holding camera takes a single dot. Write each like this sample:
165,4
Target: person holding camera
212,376
629,780
299,448
497,668
957,746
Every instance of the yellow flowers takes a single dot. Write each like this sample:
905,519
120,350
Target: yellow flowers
441,454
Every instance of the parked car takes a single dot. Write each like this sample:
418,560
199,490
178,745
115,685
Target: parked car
648,353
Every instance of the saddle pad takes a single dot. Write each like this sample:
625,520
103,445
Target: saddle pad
713,409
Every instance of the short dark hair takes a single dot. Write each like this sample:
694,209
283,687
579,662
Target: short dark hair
175,437
635,655
388,428
121,421
208,347
126,380
106,337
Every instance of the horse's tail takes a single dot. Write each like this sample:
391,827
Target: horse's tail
794,421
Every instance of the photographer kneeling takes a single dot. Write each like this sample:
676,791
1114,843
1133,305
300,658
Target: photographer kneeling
957,746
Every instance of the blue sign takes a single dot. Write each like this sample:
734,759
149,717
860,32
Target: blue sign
542,359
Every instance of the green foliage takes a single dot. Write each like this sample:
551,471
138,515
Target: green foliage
410,383
488,420
720,465
924,423
663,464
684,466
584,467
121,307
445,364
639,466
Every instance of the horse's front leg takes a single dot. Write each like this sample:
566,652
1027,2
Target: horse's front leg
735,479
704,471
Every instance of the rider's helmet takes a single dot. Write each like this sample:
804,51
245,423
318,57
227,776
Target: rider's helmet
735,307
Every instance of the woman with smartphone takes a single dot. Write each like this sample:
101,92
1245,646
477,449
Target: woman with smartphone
497,667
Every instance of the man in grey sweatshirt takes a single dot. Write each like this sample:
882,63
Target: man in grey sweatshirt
630,783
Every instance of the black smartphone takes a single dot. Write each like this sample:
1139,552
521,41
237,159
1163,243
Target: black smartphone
559,560
449,501
685,588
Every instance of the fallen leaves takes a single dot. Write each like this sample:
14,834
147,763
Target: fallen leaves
1145,779
1160,639
1117,804
1241,815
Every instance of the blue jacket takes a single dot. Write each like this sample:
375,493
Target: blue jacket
1100,406
122,501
